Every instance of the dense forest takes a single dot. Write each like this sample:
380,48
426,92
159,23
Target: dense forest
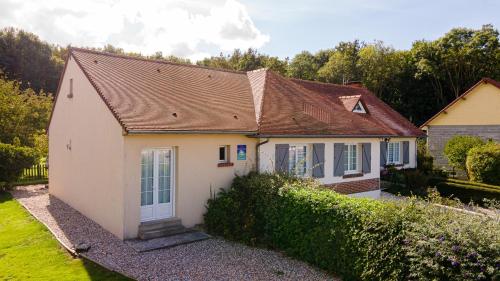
416,82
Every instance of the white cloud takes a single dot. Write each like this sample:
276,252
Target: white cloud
192,29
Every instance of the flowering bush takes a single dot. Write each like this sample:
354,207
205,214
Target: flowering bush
358,239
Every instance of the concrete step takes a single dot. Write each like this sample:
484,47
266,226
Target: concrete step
163,232
159,224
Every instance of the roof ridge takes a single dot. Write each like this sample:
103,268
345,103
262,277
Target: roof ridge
323,83
103,53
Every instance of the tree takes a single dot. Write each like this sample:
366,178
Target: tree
456,150
303,66
23,113
342,66
24,57
458,60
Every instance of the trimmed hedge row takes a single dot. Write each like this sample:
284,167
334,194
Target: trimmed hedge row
465,191
358,239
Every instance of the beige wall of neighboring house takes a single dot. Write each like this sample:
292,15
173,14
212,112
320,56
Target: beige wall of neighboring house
479,107
86,153
196,174
475,113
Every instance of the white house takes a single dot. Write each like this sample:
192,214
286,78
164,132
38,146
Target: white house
134,141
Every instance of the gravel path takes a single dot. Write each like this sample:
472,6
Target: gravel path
213,259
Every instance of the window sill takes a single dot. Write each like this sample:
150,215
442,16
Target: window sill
355,175
226,164
394,165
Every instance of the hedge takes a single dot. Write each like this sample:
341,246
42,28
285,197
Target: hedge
465,191
358,239
483,163
13,160
456,149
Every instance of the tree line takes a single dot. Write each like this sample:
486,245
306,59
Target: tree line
417,82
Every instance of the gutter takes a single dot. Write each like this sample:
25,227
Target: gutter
257,158
174,132
332,136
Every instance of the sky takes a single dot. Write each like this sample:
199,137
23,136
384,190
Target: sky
197,29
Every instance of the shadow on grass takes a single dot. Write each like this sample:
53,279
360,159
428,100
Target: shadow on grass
98,273
5,196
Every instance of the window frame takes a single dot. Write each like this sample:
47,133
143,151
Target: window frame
357,170
307,158
392,143
226,154
361,110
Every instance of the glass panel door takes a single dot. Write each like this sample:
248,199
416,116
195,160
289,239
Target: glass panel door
164,177
147,164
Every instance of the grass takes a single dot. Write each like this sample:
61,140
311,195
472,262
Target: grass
28,251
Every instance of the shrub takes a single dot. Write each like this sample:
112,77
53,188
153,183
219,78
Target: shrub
457,147
359,239
13,160
483,163
425,160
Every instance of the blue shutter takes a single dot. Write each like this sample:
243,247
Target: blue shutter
281,156
318,168
383,154
366,164
338,159
406,152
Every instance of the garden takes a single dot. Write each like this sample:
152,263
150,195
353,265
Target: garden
477,160
357,239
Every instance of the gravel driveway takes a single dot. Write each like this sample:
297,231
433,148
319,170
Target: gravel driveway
212,259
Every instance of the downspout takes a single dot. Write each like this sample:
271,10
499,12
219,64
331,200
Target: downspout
257,162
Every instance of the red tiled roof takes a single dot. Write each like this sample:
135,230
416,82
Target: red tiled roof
158,96
483,80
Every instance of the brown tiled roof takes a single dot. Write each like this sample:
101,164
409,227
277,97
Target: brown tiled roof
149,96
484,80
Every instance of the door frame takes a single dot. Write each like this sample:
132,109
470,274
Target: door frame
173,170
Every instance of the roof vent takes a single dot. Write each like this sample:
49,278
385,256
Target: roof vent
158,70
235,116
95,61
174,114
209,76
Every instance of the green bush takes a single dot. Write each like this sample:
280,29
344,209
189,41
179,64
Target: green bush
13,160
425,160
483,163
457,147
358,239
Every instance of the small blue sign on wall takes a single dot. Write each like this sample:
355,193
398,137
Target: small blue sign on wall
241,152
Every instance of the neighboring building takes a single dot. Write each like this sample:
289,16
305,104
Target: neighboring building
476,112
134,140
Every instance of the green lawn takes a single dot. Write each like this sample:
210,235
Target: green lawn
28,251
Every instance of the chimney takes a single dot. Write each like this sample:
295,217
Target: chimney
356,84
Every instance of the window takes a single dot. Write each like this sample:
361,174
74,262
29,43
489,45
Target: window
359,108
70,95
224,154
351,158
297,161
393,153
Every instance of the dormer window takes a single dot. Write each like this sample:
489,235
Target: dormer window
359,108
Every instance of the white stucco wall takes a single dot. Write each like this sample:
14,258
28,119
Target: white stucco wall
197,173
267,155
89,176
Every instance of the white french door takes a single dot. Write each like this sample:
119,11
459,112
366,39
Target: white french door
157,184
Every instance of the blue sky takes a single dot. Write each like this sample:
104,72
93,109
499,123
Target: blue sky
198,28
294,26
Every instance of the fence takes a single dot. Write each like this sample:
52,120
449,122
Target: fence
35,172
